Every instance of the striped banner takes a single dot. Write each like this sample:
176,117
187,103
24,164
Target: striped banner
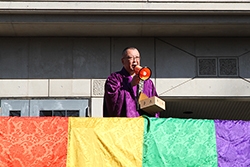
123,142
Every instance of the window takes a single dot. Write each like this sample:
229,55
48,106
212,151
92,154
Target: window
15,113
60,113
44,108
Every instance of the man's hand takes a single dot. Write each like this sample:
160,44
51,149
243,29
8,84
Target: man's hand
135,81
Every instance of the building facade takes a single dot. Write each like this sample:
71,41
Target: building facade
62,51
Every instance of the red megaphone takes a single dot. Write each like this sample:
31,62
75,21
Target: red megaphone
143,72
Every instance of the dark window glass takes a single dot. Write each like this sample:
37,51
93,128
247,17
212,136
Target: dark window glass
73,113
15,113
59,113
45,113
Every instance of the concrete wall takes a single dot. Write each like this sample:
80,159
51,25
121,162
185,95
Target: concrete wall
76,67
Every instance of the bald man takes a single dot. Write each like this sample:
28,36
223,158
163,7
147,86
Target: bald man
120,96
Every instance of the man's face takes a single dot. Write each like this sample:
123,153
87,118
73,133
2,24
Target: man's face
130,60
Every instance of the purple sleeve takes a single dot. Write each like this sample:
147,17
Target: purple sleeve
114,95
157,115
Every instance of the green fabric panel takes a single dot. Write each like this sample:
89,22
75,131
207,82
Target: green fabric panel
179,143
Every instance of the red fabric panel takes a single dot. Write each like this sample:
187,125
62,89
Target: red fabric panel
33,141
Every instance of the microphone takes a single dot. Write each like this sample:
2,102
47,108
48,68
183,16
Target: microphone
143,72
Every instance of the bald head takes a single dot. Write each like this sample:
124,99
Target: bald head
130,58
125,51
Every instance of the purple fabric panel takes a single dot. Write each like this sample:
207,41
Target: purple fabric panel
233,143
119,97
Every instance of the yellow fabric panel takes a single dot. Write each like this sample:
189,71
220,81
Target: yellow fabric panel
105,142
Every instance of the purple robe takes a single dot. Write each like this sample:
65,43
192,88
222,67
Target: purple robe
120,99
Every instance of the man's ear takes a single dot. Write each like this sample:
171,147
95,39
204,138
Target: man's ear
122,60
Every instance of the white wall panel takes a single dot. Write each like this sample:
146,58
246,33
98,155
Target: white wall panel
69,87
96,107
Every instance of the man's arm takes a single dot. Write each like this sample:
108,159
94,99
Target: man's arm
114,95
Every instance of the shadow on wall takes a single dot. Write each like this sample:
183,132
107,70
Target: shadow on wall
62,57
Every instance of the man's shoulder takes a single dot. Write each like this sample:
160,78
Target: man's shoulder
149,81
116,74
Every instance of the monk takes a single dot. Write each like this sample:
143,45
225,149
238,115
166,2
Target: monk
120,96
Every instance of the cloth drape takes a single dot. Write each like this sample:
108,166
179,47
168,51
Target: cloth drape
33,142
233,143
123,142
105,142
179,142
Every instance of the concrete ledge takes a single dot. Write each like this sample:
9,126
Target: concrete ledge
69,87
96,107
126,7
207,87
24,88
